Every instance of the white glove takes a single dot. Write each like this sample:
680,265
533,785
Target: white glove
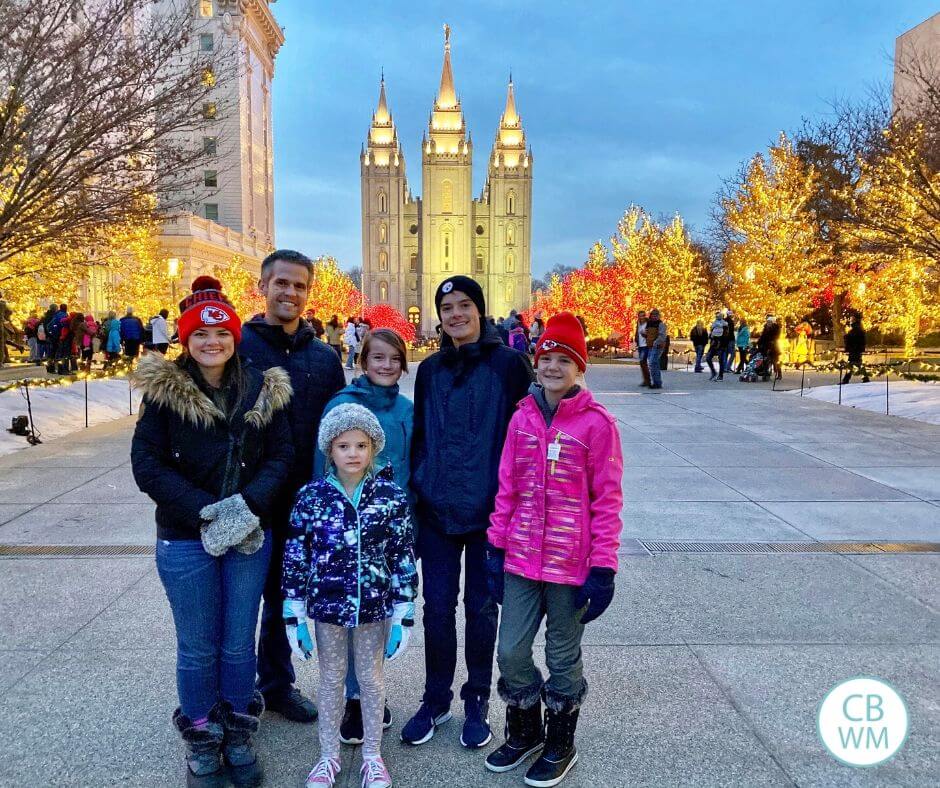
228,523
294,612
403,615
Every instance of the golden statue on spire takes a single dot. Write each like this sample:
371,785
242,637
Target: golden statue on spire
447,36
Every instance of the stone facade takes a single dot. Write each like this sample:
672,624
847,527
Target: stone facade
410,244
918,48
232,213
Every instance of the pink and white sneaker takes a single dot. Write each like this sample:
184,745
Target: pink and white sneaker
374,774
323,774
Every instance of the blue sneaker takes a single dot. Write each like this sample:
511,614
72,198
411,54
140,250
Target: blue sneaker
476,727
420,728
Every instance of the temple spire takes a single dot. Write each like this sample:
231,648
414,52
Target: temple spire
381,113
446,95
510,116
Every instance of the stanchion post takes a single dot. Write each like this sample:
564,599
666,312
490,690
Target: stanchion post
86,403
839,372
802,378
130,398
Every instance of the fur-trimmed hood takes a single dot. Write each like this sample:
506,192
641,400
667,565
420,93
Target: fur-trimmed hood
168,385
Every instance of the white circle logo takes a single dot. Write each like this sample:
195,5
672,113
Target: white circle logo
448,286
862,721
212,315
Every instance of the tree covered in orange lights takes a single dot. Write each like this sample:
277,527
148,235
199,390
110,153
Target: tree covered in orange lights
240,285
775,259
664,270
650,266
332,291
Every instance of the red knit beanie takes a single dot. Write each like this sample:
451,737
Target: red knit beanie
563,334
207,307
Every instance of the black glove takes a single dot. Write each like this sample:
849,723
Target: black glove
597,593
494,572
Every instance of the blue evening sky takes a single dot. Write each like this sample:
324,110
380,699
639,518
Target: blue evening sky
623,102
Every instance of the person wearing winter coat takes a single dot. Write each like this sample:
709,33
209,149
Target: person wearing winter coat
554,536
855,349
282,338
699,338
160,338
212,448
768,344
30,329
642,348
349,573
383,361
112,345
465,395
351,340
742,341
728,342
334,336
517,340
132,333
89,329
657,339
717,332
538,326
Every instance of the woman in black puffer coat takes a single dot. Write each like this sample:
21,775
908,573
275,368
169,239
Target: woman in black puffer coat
213,448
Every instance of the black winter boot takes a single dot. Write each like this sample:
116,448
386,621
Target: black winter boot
559,754
203,767
239,754
524,737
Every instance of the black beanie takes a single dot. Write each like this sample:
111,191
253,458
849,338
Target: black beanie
465,285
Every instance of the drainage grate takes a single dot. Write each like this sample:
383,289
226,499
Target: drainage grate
791,547
75,550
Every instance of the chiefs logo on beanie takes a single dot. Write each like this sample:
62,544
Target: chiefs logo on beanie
207,306
564,334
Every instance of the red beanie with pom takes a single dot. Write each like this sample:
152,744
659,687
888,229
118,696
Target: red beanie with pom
564,334
207,307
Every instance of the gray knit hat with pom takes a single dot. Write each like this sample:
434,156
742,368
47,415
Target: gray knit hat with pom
349,417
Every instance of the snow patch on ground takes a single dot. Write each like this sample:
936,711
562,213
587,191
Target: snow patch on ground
909,399
60,410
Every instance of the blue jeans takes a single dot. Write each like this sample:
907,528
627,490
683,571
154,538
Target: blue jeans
440,579
351,358
215,610
699,352
656,374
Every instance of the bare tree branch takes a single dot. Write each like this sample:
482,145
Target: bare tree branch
104,106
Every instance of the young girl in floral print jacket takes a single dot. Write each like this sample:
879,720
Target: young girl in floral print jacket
349,565
554,536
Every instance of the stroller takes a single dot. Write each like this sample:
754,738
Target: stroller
758,366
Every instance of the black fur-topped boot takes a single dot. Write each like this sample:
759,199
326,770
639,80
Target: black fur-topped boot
203,746
239,754
559,755
524,737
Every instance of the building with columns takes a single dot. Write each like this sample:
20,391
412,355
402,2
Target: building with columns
410,244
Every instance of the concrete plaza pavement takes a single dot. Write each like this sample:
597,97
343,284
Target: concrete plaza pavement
707,670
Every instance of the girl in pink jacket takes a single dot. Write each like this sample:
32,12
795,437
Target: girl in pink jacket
553,537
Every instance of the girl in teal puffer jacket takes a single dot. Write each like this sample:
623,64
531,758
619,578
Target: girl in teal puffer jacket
383,360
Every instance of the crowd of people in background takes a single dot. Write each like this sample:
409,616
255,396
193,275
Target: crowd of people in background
66,339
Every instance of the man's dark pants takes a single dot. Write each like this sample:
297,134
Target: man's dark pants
275,671
440,580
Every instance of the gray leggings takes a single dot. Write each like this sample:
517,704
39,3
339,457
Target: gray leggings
368,642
